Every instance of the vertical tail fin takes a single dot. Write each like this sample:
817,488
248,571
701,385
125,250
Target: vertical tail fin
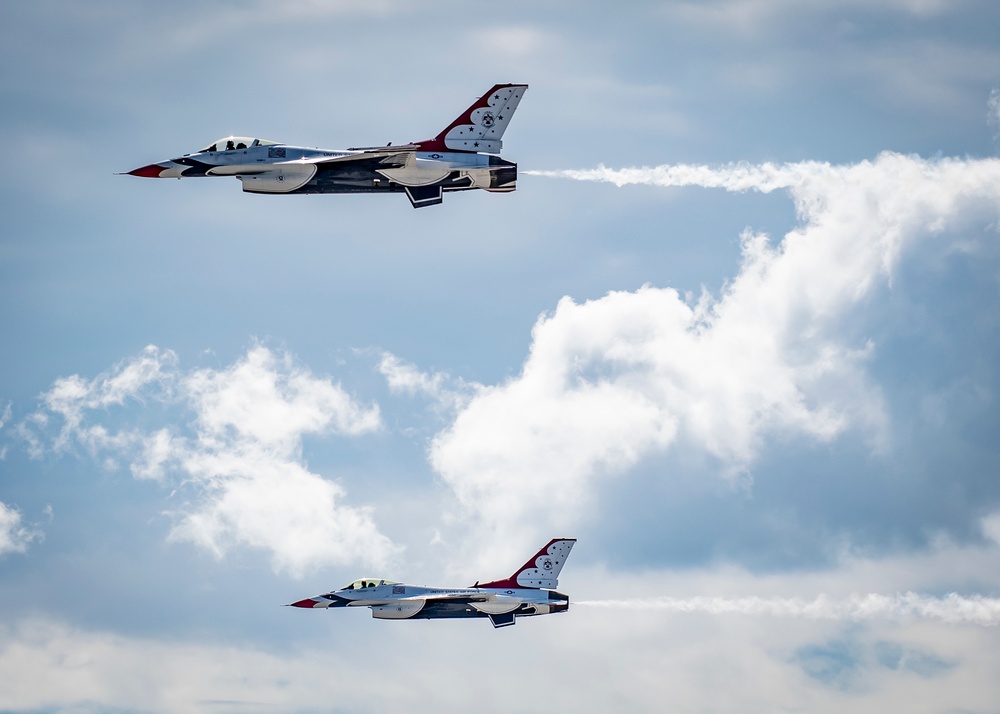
542,570
480,127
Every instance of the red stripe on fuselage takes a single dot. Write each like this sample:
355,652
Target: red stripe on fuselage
151,171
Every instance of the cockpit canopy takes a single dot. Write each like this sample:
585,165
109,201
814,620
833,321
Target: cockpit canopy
368,583
232,143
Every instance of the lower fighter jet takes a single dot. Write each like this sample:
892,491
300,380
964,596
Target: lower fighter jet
464,156
529,591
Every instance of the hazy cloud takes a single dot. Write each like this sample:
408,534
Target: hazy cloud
993,116
4,418
14,536
848,664
991,527
404,377
657,656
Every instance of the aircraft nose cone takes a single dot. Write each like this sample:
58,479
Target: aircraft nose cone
309,602
151,171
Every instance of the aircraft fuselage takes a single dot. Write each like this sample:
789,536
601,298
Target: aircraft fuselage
284,169
397,601
463,156
529,591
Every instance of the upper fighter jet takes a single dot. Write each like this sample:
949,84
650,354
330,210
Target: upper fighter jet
529,591
465,155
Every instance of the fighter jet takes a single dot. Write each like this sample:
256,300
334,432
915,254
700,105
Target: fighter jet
464,156
529,591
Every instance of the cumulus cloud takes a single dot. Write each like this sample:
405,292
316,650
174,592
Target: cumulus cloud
246,462
780,351
266,399
14,535
244,480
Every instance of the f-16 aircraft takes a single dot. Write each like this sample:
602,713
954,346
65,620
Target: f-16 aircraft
464,156
529,591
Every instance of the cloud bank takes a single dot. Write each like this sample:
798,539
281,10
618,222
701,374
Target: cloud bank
782,350
244,481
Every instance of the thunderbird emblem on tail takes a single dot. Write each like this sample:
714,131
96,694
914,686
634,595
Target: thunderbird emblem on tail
529,591
464,156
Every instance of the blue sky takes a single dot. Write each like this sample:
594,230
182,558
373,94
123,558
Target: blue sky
736,331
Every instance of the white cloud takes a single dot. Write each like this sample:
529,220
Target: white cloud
246,461
157,450
72,397
405,377
990,526
14,536
248,497
446,391
245,482
782,350
268,400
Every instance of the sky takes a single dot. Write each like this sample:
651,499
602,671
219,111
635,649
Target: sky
737,331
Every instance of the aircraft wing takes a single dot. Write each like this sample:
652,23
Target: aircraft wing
448,597
277,178
289,176
364,155
456,598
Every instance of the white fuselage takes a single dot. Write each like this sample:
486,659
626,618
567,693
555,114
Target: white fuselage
529,591
280,168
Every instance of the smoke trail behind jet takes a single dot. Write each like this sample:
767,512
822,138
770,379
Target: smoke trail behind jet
951,609
740,176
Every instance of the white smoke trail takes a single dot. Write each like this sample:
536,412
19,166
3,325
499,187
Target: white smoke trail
951,609
733,177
